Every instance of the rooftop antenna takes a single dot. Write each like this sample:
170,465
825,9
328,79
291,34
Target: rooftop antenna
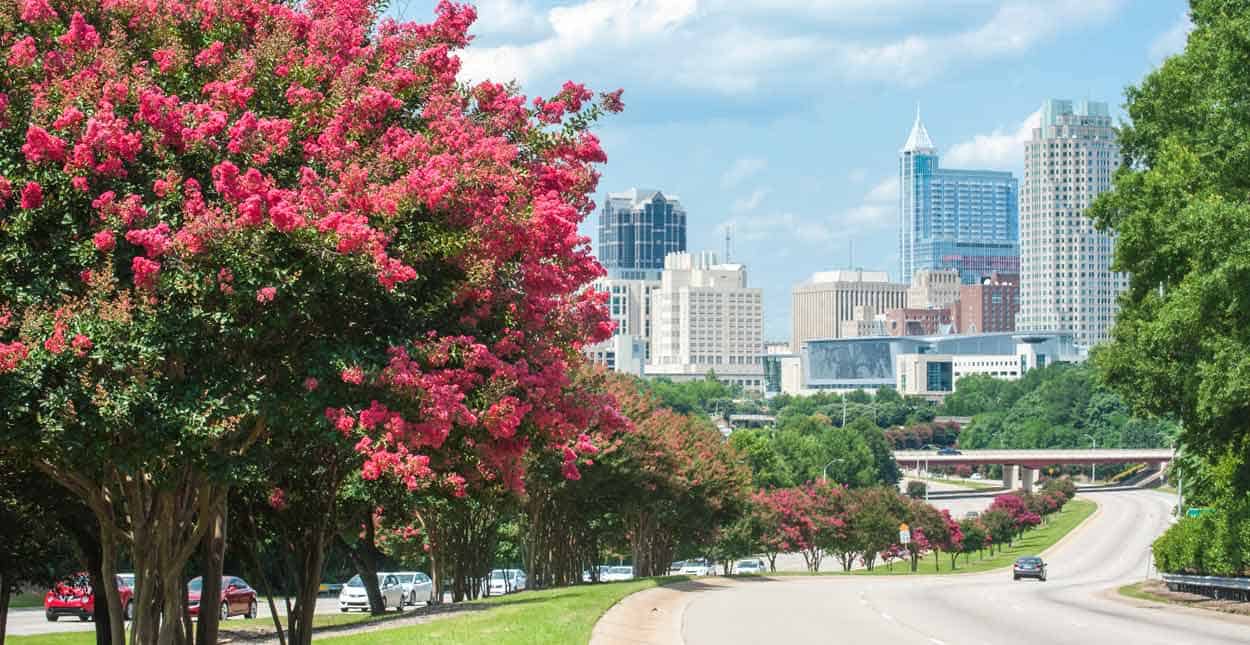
728,243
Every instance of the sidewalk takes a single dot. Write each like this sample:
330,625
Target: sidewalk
653,616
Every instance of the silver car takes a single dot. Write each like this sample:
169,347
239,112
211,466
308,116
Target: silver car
417,586
752,566
354,596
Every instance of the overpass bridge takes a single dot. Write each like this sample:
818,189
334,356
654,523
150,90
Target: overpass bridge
1026,464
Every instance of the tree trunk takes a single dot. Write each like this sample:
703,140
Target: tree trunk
364,555
213,552
5,592
91,551
310,554
248,528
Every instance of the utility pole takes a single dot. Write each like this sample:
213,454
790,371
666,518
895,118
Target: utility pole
1093,467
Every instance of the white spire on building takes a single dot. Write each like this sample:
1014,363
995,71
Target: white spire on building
918,140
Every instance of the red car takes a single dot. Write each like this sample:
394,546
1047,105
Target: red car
74,597
237,597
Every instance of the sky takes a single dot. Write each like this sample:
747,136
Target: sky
781,120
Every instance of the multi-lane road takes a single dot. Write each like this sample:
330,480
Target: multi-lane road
1076,605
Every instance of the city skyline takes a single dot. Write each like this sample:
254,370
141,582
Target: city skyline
787,124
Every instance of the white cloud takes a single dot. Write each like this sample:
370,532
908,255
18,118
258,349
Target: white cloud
728,47
998,150
742,168
1171,41
752,202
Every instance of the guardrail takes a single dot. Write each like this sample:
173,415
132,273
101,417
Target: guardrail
1210,586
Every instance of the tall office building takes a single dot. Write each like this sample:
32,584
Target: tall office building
821,304
1066,283
933,289
629,303
954,219
637,229
705,318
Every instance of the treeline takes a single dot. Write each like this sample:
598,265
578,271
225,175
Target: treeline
1058,406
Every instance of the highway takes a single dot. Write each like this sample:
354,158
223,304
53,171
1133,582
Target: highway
1076,605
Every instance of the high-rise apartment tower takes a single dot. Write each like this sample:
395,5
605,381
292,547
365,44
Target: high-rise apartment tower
1066,283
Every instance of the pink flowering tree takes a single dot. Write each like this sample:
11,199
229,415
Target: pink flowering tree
222,221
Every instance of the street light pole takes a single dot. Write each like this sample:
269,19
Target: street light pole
1093,467
824,477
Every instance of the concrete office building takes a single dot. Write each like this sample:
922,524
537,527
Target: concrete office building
637,229
933,289
629,304
821,304
864,322
705,318
1066,282
991,306
965,220
934,376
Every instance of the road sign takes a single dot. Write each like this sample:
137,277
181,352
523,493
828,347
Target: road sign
904,534
1197,511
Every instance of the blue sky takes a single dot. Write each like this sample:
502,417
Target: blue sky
783,118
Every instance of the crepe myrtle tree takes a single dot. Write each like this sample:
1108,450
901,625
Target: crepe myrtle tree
210,210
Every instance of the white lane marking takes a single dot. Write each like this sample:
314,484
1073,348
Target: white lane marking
936,641
887,616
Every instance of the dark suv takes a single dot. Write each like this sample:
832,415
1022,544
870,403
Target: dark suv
1029,567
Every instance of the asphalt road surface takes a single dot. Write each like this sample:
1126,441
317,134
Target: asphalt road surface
1076,605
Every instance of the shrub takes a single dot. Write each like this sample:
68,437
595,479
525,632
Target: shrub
917,490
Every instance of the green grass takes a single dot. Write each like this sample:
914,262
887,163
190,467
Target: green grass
964,483
564,615
1031,543
1135,591
25,600
1171,490
63,638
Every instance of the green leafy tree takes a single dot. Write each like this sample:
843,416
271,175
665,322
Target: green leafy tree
1181,212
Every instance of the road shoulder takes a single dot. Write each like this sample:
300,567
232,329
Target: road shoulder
653,616
1158,603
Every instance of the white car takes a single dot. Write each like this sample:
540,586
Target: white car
696,567
353,595
503,581
976,476
601,571
417,586
617,574
749,566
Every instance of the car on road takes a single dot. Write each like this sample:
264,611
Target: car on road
74,596
696,567
1029,567
237,597
976,477
354,595
676,567
948,451
618,574
754,565
600,571
417,586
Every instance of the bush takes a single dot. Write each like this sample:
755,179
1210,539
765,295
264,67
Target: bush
917,490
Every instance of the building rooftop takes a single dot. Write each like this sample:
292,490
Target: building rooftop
638,196
847,275
918,140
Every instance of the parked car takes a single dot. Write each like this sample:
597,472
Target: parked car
417,586
354,596
949,451
676,567
505,581
696,567
237,597
619,573
600,571
1029,567
754,565
74,596
976,476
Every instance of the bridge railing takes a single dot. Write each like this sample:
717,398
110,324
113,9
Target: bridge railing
1211,586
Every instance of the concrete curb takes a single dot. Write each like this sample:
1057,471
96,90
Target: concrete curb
652,616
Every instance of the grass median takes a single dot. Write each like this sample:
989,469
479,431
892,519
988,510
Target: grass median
565,615
1032,543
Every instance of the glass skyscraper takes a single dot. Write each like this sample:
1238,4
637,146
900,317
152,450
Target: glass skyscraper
967,220
637,228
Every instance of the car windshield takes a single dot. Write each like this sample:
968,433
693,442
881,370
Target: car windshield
747,563
407,578
126,580
195,585
629,570
695,563
1029,561
355,582
497,575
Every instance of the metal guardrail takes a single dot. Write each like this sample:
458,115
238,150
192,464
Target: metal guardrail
1211,586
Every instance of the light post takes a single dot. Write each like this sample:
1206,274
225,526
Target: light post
824,477
1093,467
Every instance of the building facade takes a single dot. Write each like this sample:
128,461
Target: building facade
918,322
821,304
637,229
706,319
967,220
1066,282
933,289
629,304
988,307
